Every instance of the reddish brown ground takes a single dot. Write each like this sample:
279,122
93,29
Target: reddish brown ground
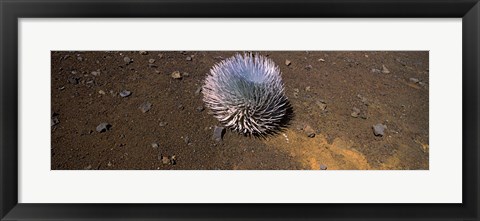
340,79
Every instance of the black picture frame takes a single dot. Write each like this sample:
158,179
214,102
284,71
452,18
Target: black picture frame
10,11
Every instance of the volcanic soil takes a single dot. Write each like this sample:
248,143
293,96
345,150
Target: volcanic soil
155,119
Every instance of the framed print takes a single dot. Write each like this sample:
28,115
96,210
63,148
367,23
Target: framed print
321,110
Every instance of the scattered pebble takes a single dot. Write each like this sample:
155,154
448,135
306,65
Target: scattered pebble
125,93
103,127
379,129
322,105
218,133
73,80
155,145
89,167
200,108
162,124
323,167
143,52
321,60
414,80
151,61
127,60
145,107
199,89
185,74
165,160
54,120
385,70
307,89
309,131
150,65
295,92
180,107
95,73
308,67
188,58
74,72
109,164
374,70
176,75
356,112
187,140
79,58
101,92
363,99
288,62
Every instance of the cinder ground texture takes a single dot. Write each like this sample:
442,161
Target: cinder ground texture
337,96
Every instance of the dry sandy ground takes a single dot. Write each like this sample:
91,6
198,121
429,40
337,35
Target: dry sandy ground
338,96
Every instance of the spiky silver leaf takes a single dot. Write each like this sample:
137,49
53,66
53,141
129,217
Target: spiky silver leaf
246,94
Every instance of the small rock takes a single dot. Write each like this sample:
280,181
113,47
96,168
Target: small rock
385,70
103,127
363,99
308,67
307,89
151,61
143,52
109,164
155,145
180,107
95,73
125,93
185,74
200,108
414,80
321,105
374,70
162,124
54,121
309,131
73,80
89,167
197,92
152,65
101,92
188,58
321,60
356,112
79,58
145,107
127,60
165,160
74,72
176,75
323,167
379,129
288,62
187,140
173,160
218,133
